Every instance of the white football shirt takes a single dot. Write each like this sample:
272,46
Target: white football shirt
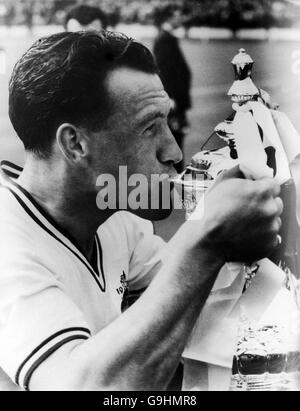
49,292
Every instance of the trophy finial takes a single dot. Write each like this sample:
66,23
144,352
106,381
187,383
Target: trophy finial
243,65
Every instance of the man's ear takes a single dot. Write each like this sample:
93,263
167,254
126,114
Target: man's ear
72,143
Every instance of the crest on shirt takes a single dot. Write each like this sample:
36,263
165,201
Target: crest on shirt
123,289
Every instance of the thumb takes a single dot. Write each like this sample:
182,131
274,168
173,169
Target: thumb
234,172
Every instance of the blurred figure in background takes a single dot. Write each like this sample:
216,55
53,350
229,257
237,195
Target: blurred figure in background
85,18
174,71
7,12
10,14
28,12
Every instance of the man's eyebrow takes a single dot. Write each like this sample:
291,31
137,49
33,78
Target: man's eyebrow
153,116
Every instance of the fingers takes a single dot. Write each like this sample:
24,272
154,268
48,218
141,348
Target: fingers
268,223
267,188
272,225
249,215
234,172
271,209
280,206
265,243
279,223
275,228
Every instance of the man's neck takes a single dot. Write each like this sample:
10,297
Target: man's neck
65,199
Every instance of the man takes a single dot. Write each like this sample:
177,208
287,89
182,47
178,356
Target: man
85,18
29,12
174,72
84,104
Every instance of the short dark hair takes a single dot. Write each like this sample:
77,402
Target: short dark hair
61,79
86,15
162,13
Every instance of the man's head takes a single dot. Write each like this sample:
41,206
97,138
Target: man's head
91,102
85,18
167,17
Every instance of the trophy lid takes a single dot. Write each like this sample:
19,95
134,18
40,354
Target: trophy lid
243,88
242,58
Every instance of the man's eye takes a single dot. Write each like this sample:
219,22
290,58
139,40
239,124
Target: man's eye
150,129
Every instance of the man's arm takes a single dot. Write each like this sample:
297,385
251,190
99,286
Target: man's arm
142,348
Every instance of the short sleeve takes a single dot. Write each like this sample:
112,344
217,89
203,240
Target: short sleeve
36,317
145,252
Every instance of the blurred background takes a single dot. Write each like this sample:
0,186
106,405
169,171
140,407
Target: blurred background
234,14
210,33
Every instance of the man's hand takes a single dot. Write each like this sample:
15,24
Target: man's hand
242,217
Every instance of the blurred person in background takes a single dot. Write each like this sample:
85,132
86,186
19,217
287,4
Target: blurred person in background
174,72
29,12
10,14
7,15
85,18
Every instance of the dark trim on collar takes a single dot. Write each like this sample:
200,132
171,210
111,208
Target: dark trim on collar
37,221
101,268
48,217
5,163
52,222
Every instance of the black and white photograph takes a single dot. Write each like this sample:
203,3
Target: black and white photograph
150,198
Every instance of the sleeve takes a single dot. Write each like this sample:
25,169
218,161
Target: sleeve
145,249
36,317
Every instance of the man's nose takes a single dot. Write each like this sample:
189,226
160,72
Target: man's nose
170,151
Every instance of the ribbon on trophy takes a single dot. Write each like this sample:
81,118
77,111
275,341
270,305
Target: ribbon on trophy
259,292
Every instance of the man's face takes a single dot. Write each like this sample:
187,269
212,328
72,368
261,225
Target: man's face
174,21
136,134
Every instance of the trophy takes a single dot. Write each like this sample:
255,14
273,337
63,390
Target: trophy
253,143
265,353
268,355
